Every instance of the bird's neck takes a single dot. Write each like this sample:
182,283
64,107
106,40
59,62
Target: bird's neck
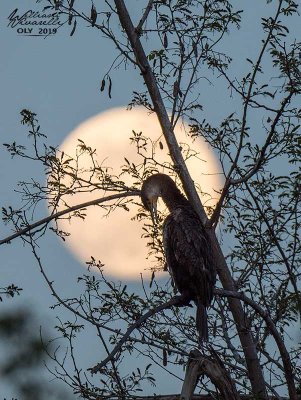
173,198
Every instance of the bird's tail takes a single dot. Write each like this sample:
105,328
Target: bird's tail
201,322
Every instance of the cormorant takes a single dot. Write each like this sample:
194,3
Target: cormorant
187,247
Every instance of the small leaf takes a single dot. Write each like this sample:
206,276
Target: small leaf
73,29
93,15
165,41
103,83
164,357
160,64
175,89
70,17
195,49
110,87
152,279
57,4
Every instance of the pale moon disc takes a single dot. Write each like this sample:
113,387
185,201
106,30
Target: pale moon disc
116,240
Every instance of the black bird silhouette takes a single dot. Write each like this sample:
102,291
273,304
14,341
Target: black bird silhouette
187,247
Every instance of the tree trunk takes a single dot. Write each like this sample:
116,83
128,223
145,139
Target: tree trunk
199,365
246,339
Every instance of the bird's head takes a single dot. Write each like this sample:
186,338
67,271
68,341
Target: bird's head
160,185
150,191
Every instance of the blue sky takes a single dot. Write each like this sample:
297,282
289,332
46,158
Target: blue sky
59,78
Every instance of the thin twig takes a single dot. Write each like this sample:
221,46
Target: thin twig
288,370
234,165
172,302
68,210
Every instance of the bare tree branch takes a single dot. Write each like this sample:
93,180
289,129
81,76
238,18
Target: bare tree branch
174,301
144,16
288,370
68,210
261,157
212,367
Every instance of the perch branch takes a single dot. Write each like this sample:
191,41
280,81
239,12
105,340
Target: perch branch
176,300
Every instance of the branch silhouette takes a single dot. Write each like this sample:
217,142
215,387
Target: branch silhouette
176,301
58,214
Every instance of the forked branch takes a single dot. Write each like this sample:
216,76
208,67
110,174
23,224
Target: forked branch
199,365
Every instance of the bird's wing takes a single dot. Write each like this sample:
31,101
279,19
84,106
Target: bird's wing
189,255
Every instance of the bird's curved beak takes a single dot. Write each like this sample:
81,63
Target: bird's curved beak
153,211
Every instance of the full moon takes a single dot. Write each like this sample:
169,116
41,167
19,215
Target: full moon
116,239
